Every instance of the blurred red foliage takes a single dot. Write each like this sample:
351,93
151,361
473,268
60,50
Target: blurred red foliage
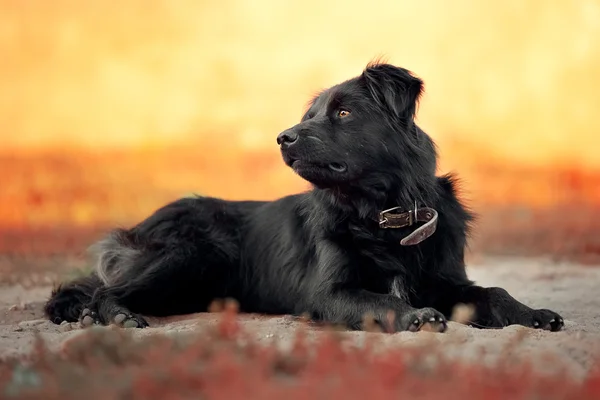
226,363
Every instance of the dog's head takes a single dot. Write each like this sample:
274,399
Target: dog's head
361,131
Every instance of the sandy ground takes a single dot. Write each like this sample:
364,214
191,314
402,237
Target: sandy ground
568,289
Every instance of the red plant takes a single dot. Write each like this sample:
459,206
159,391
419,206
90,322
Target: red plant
225,363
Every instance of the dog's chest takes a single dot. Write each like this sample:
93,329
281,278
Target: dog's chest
398,288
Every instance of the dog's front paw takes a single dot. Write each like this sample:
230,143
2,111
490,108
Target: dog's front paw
424,319
538,319
545,319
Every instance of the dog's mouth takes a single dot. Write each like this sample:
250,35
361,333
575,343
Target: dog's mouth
334,167
337,167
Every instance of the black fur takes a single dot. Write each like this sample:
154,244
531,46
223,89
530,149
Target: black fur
319,252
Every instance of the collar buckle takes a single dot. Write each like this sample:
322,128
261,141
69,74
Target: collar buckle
407,218
393,219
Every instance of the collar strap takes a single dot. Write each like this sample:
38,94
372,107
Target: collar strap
390,219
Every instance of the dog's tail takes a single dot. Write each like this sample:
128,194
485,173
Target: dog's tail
111,255
114,255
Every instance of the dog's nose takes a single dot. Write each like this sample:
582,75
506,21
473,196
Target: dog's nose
287,137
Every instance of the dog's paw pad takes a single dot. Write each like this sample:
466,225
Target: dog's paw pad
427,319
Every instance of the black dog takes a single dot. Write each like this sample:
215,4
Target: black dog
378,235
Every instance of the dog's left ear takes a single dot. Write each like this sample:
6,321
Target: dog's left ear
393,88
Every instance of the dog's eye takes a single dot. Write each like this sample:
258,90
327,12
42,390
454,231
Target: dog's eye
343,113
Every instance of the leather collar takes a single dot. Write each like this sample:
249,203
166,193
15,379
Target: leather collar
391,219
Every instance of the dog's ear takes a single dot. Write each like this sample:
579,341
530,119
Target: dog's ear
394,88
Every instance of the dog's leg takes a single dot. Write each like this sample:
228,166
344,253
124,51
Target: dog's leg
495,308
329,300
351,307
165,281
177,261
105,308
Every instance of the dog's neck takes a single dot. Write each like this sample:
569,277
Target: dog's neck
365,202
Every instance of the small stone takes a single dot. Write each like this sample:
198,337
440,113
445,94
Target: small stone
87,321
130,324
14,307
120,318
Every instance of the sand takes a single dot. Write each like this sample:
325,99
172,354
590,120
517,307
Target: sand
569,289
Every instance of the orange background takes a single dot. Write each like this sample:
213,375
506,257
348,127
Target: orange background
109,109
